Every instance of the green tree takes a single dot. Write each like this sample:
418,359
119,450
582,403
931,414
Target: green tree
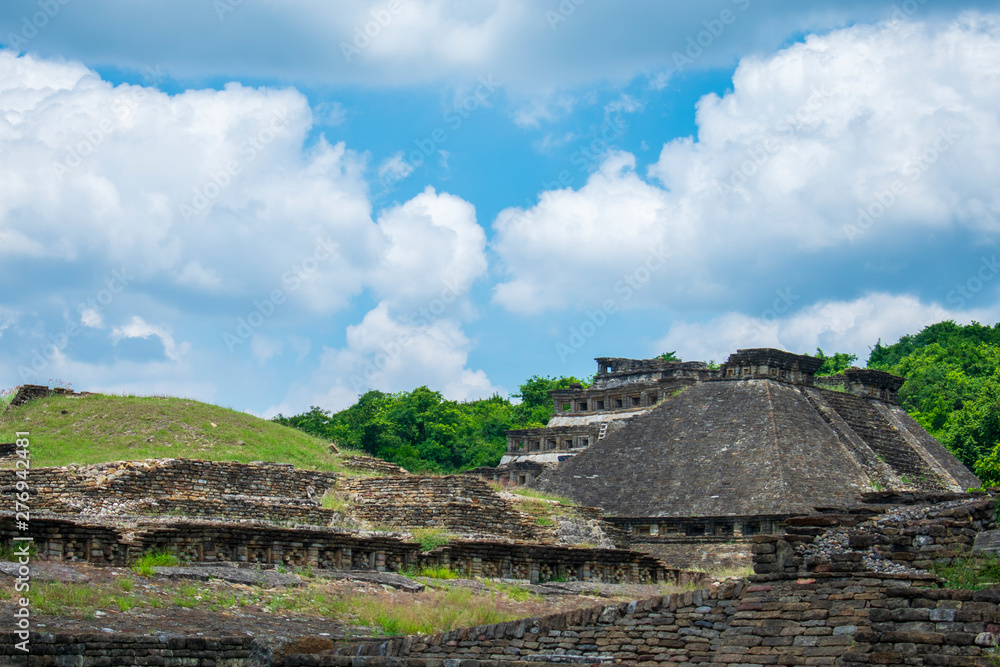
835,364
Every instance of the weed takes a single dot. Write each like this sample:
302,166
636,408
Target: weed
433,573
332,500
144,565
126,584
544,521
188,597
124,602
431,538
7,552
973,573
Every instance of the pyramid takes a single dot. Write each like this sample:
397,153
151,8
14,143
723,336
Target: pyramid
760,437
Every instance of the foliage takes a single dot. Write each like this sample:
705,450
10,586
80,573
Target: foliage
670,356
835,364
423,432
974,573
952,388
431,538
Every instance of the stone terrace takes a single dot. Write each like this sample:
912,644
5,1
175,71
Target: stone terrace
459,503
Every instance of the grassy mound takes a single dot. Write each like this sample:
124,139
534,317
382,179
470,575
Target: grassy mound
96,429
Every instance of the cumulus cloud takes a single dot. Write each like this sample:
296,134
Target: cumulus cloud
387,352
139,328
835,326
832,150
433,238
220,208
92,318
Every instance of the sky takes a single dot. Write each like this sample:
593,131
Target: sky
276,205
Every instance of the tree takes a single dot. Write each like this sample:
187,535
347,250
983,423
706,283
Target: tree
835,364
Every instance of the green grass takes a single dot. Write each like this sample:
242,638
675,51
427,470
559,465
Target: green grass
147,562
974,573
528,492
432,573
422,613
96,429
60,598
431,538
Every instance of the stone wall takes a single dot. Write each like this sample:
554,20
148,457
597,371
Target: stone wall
29,392
912,537
823,620
704,553
209,488
373,465
98,648
113,541
458,503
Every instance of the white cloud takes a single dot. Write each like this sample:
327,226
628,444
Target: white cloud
897,121
543,109
835,326
434,240
330,114
236,205
263,347
92,318
7,318
389,353
230,203
195,275
139,328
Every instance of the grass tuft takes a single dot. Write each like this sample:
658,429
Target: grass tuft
974,573
431,538
144,565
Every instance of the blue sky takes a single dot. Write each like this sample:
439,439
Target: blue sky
272,205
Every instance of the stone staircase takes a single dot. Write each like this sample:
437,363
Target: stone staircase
883,438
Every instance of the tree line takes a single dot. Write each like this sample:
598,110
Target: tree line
952,390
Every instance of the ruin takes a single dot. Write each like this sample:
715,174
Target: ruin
724,454
622,389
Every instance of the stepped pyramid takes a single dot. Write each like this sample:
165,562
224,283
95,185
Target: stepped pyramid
759,437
